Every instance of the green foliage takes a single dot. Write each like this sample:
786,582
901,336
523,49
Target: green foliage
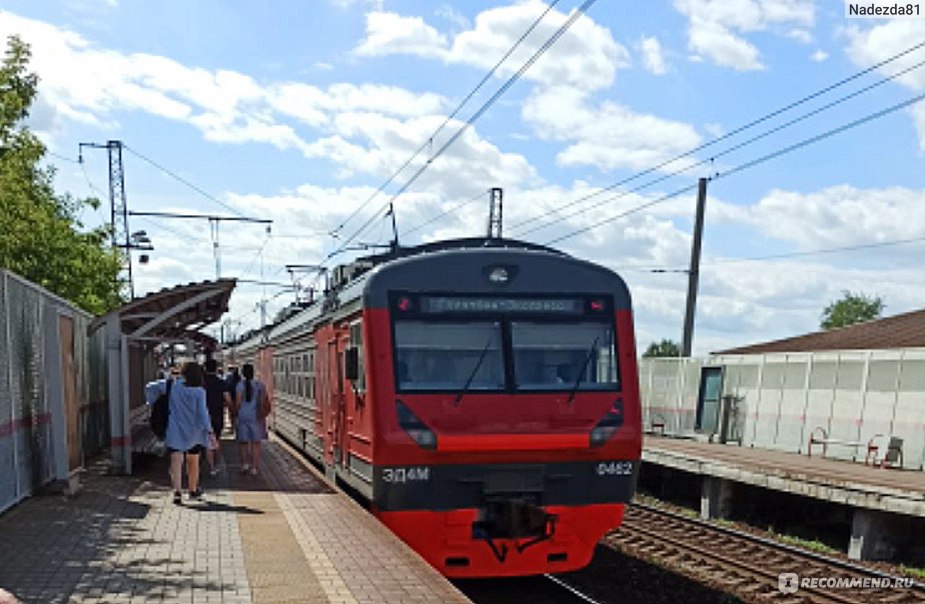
851,308
912,571
665,348
810,544
41,237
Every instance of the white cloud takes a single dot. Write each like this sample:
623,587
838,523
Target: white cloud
586,56
724,48
837,216
819,56
453,16
389,33
717,27
714,129
608,135
800,35
652,55
232,108
742,301
867,47
375,4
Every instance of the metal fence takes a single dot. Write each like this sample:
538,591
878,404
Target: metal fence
53,410
781,399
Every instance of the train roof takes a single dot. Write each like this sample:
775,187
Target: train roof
527,269
352,281
457,244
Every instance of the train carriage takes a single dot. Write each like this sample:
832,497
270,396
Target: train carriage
481,395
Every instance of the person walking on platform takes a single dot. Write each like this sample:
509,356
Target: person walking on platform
217,398
252,404
189,428
231,383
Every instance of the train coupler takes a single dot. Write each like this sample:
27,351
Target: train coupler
513,519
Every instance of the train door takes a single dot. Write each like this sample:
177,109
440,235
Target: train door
330,408
341,429
336,415
324,394
359,423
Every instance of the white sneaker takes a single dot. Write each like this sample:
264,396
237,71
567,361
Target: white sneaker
214,471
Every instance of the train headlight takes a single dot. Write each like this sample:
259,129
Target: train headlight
414,427
499,274
609,424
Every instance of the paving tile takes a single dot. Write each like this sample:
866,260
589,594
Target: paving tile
279,537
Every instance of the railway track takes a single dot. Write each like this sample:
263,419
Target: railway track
751,567
537,589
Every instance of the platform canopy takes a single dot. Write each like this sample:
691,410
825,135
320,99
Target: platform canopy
172,314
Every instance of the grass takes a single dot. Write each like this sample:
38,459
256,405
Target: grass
918,573
812,545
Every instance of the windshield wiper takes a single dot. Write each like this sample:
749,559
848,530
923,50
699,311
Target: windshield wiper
475,370
584,367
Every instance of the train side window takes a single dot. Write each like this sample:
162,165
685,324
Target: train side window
356,341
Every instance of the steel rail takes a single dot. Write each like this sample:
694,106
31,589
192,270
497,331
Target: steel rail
799,551
574,591
630,526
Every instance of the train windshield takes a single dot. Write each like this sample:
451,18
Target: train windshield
448,356
563,356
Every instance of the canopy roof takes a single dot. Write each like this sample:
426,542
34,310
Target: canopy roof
176,313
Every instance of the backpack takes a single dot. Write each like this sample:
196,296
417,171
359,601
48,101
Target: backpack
160,413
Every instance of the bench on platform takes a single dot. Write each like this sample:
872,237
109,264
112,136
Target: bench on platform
893,446
657,425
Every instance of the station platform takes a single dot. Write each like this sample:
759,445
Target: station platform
283,536
875,488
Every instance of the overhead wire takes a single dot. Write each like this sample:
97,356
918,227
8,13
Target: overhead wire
752,163
819,252
580,11
726,136
446,121
832,250
247,268
480,195
179,178
61,157
741,145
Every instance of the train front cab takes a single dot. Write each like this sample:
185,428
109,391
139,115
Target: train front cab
506,431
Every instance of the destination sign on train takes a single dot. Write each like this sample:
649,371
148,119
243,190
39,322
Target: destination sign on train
453,304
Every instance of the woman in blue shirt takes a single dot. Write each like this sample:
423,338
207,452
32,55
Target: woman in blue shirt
189,428
251,426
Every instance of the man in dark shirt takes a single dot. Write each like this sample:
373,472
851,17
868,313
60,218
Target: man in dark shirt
216,400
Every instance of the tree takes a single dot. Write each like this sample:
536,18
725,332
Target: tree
41,236
851,308
665,348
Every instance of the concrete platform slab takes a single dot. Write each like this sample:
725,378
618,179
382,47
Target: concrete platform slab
854,484
281,536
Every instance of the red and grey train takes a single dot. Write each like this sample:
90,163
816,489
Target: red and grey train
482,395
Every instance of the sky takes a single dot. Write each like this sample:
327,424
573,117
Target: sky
317,114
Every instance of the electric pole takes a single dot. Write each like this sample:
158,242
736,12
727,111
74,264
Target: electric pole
391,212
118,208
494,213
693,275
